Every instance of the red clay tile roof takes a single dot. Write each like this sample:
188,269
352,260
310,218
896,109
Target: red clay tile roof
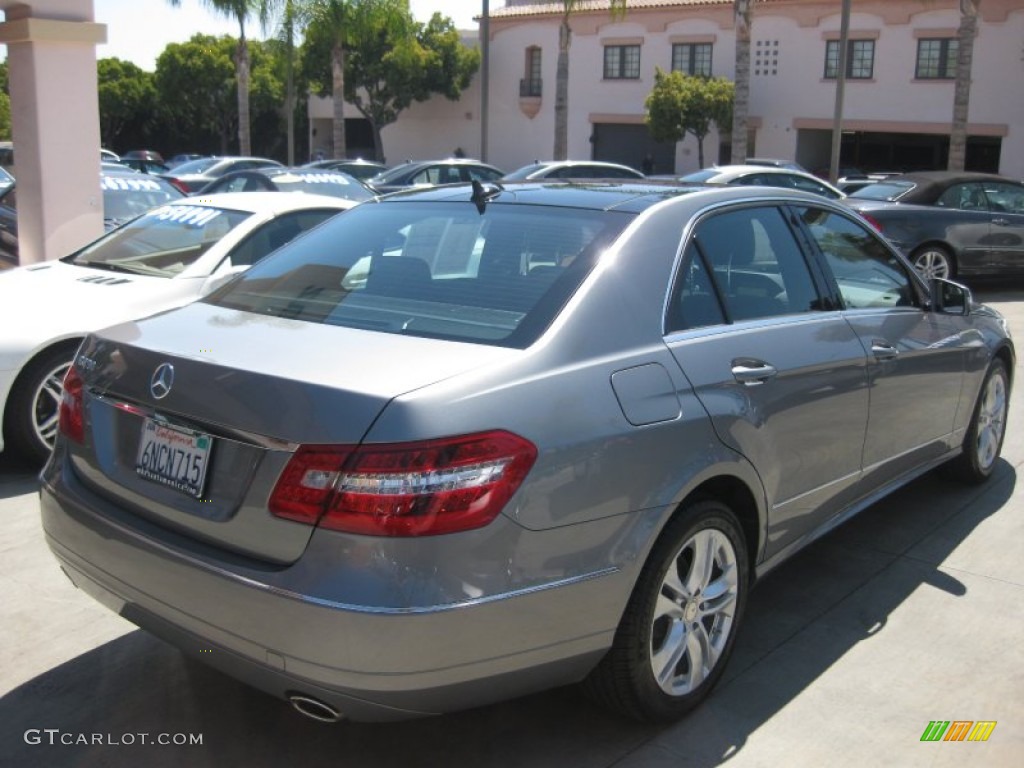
545,9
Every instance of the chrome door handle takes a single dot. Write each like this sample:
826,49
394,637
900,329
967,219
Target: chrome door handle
752,373
1001,222
883,350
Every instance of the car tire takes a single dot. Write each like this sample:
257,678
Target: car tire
658,666
932,261
984,438
30,417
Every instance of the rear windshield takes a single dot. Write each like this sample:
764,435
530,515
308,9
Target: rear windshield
883,190
439,270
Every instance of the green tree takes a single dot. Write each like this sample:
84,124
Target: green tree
240,10
195,87
618,9
390,62
5,104
680,104
962,89
5,116
195,90
127,100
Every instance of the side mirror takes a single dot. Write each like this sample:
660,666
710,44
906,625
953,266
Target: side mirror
950,298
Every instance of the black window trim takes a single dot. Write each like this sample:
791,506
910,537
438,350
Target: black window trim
824,285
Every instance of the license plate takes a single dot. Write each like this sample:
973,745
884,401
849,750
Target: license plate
174,457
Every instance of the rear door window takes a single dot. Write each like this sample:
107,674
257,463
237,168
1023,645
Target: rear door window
756,263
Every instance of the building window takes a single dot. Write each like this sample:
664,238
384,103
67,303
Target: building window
936,59
692,58
530,85
621,62
860,59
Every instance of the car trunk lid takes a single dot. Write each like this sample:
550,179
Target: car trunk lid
240,392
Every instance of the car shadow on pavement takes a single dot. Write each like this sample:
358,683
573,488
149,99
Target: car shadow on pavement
17,476
801,620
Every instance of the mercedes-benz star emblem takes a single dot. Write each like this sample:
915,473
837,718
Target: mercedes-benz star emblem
163,378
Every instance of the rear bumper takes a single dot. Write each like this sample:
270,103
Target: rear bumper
369,663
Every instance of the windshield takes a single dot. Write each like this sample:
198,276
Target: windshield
883,190
125,197
523,173
700,176
335,184
202,165
439,270
392,173
163,242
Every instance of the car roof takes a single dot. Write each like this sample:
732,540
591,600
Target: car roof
929,185
627,196
265,202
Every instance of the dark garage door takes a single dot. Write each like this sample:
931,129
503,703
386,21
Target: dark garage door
629,145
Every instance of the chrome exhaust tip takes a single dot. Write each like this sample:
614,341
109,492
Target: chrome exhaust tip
314,708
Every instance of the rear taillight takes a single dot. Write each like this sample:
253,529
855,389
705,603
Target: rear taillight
179,185
404,489
872,221
71,419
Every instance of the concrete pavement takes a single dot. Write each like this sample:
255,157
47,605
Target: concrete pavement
909,613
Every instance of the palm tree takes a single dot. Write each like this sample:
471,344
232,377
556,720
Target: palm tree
240,10
617,8
294,13
743,13
962,89
331,15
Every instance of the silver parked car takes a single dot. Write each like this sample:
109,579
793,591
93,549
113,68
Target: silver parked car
466,443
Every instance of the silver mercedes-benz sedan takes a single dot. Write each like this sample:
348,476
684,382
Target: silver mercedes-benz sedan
462,444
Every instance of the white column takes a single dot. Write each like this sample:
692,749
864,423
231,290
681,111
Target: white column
51,53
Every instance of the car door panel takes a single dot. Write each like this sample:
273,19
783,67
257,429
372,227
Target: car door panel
916,357
915,375
801,424
785,383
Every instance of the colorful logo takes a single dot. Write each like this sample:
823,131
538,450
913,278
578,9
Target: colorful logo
958,730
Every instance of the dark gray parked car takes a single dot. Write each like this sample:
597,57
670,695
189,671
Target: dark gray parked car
466,443
949,223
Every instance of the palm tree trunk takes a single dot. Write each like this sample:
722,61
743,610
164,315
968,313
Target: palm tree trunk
289,90
962,90
562,91
244,145
338,95
741,100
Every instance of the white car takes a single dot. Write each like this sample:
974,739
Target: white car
751,175
167,257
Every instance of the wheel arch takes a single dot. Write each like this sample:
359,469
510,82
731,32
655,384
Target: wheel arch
740,494
68,342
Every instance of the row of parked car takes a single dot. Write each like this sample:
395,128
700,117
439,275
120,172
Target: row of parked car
400,457
947,224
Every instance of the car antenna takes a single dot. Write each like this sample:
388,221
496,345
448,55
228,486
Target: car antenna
483,194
